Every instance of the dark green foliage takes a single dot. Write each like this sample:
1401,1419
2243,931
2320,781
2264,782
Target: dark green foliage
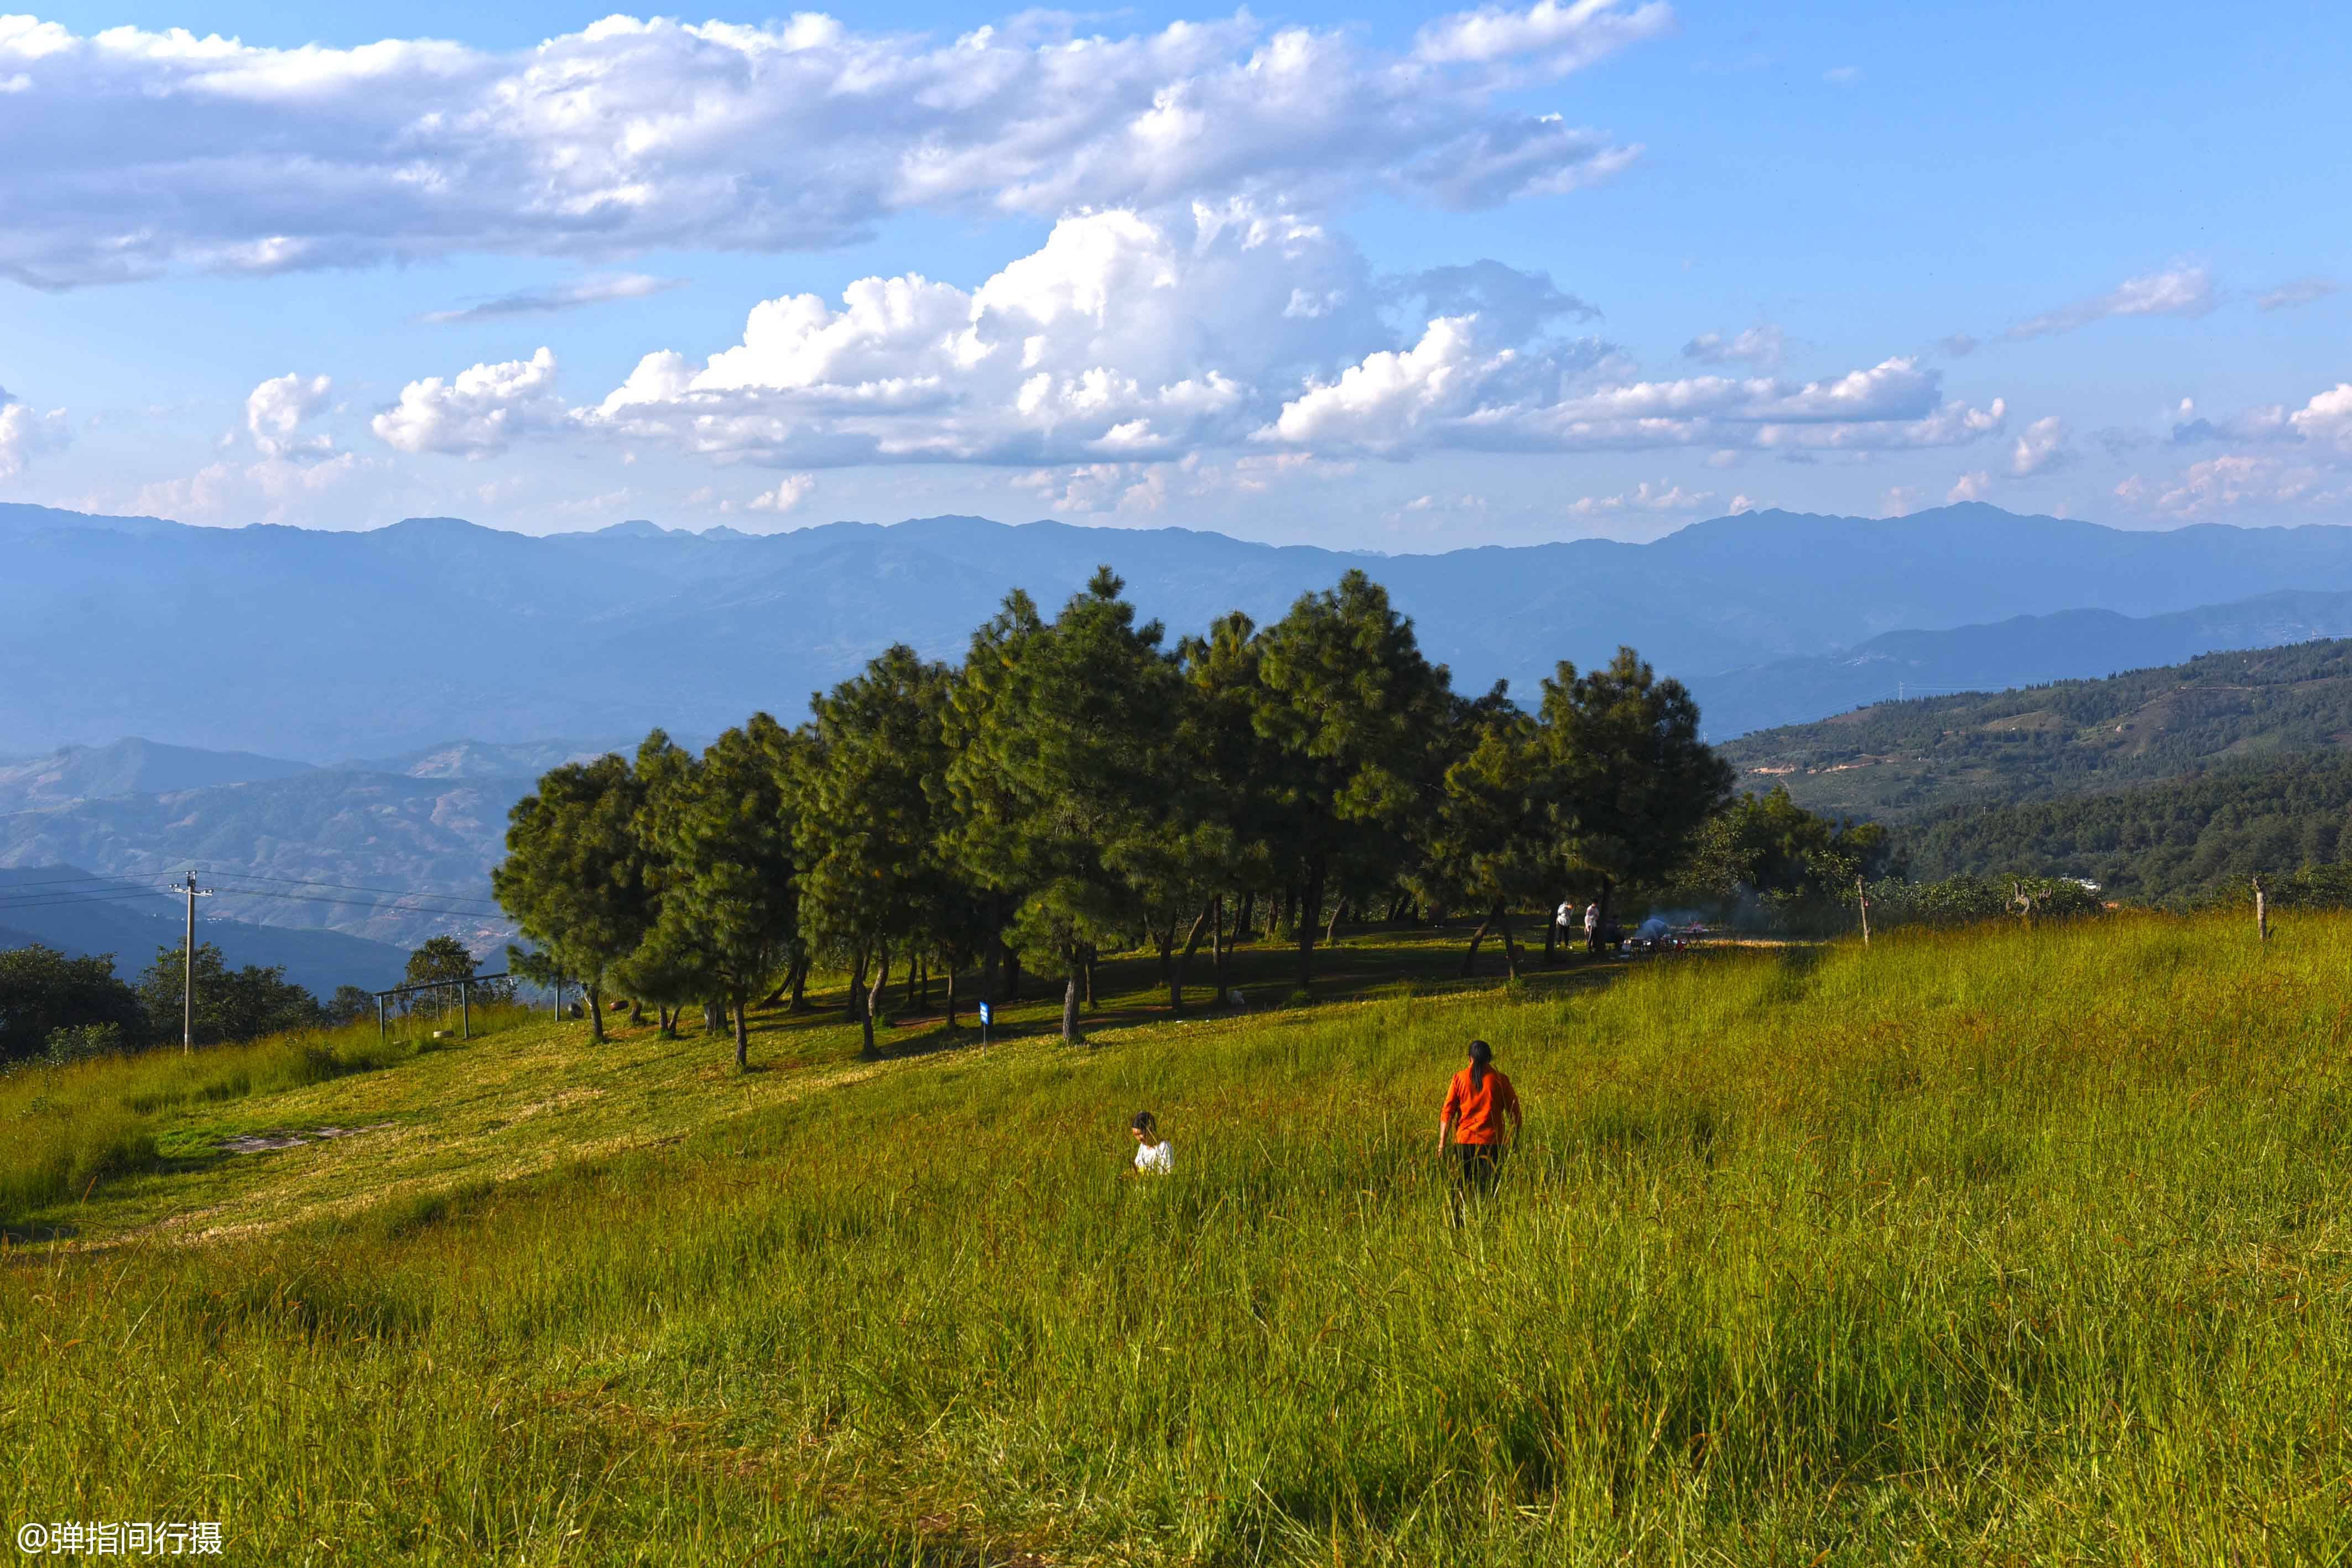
42,991
442,959
721,832
1967,900
2187,839
1489,844
1899,761
1769,848
231,1004
1355,714
350,1004
878,880
1066,743
576,876
1631,779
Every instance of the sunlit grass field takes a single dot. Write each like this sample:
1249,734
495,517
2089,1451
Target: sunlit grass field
2004,1246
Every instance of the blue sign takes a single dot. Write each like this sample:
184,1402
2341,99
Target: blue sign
987,1013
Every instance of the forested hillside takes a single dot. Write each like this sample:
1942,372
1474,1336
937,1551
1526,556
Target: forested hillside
1909,760
2184,840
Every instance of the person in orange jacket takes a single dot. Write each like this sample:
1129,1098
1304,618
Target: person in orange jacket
1480,1119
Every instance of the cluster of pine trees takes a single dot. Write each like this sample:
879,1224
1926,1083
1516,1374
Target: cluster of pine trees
1077,786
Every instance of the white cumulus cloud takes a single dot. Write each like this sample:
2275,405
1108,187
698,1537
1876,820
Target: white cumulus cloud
275,410
2042,448
25,432
788,493
475,413
161,149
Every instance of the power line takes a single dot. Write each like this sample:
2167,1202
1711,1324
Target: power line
85,898
355,902
8,887
355,888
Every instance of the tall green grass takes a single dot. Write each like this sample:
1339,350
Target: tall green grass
64,1129
1994,1245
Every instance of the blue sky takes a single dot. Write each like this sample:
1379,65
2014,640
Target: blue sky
1395,278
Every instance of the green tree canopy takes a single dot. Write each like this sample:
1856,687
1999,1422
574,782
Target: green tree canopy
878,881
232,1005
729,895
1064,743
575,878
1768,846
1355,714
1487,844
42,990
1630,779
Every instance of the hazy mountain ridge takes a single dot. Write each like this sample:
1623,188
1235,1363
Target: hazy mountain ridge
36,905
2025,650
370,832
130,766
1909,760
323,645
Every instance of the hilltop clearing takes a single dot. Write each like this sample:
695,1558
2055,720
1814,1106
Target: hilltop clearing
2026,1239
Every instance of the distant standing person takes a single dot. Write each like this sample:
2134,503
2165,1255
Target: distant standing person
1592,926
1154,1155
1479,1103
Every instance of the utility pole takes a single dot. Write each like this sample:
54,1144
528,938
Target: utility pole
188,970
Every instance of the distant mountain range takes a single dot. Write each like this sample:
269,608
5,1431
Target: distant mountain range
65,907
322,645
2025,650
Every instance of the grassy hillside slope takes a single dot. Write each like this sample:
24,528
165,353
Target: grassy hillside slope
1903,761
1996,1246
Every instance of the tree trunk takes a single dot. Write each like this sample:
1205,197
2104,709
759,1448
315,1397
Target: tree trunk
918,989
952,999
596,1016
799,1003
1249,912
1191,944
636,1011
1470,959
742,1033
856,1005
1608,889
1551,932
1218,947
1070,1005
1510,946
1088,954
1310,904
881,981
1165,942
1332,931
714,1017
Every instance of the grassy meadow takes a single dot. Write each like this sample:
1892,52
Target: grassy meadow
1996,1246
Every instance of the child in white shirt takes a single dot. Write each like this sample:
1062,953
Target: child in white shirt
1154,1155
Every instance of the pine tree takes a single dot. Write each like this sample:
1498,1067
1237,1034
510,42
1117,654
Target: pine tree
1064,737
1630,779
1357,715
729,889
575,878
877,882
